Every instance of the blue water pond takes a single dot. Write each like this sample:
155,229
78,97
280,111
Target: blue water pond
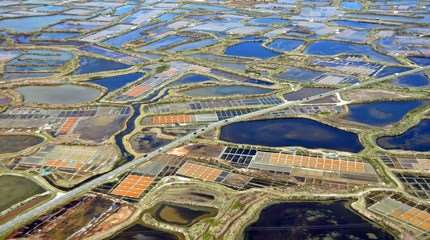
297,132
416,138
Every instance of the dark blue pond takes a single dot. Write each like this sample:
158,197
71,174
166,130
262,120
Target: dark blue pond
381,113
285,45
421,61
253,49
312,221
298,132
331,47
116,82
416,80
416,138
390,70
193,78
91,65
140,232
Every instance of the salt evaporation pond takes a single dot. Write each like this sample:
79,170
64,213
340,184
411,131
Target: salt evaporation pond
221,91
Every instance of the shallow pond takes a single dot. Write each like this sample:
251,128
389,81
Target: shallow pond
416,138
16,143
312,221
57,36
193,45
116,82
299,75
92,65
182,214
58,94
285,45
268,21
305,93
17,189
32,23
147,142
165,42
252,49
330,48
381,113
192,78
294,132
220,91
357,24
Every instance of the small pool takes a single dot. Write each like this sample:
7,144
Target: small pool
179,214
416,138
252,49
294,132
269,21
381,113
352,5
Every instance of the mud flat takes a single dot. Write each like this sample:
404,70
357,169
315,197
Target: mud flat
17,189
16,143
